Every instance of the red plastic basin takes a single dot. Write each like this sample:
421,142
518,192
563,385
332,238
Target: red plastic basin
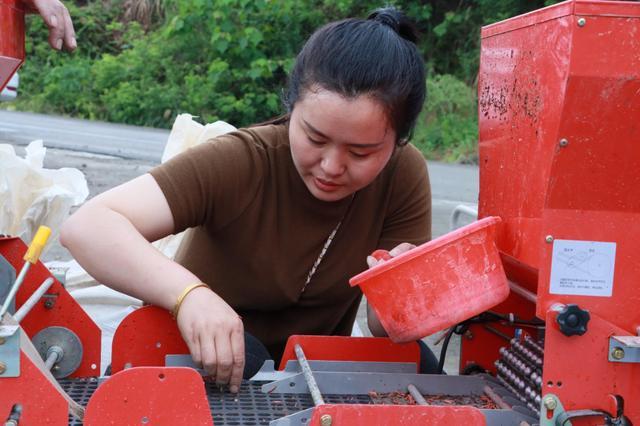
438,284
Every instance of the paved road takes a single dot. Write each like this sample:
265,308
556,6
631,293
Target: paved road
451,184
132,142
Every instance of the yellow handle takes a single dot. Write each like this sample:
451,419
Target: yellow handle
37,244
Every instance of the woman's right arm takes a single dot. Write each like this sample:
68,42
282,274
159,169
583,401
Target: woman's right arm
111,235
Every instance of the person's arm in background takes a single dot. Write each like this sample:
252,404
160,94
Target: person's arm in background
110,236
57,18
408,221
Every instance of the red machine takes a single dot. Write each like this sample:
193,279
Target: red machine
559,115
11,39
559,107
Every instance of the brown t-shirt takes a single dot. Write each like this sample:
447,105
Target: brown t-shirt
257,230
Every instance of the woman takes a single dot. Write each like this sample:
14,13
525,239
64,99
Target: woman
283,214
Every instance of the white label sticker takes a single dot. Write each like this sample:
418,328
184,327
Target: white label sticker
583,268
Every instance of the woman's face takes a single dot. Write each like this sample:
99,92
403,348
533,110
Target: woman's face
339,145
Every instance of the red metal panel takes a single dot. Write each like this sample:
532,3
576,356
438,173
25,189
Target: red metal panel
150,395
144,337
577,7
520,100
529,19
559,107
622,9
11,39
594,185
66,312
621,308
577,371
41,402
383,415
342,348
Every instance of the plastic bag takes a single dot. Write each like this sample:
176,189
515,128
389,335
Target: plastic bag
31,195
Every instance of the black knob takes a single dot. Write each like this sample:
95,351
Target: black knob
573,320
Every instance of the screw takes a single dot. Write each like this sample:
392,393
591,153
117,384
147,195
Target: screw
582,22
550,403
49,303
549,238
617,353
326,420
563,142
3,367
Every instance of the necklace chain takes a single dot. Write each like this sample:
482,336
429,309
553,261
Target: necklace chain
327,243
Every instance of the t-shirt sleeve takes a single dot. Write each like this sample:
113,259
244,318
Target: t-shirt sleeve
212,183
408,217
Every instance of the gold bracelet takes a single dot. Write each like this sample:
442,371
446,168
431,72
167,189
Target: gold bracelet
185,292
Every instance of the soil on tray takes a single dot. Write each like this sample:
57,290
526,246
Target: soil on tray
402,398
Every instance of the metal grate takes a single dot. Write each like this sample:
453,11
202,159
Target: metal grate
80,390
249,407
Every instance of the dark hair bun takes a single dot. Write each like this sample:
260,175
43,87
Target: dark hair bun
397,21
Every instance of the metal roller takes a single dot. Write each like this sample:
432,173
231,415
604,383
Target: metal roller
60,348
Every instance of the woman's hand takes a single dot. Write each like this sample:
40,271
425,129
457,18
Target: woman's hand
377,257
214,334
380,256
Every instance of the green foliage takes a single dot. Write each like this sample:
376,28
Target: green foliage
228,59
447,127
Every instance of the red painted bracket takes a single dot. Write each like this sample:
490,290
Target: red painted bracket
11,39
343,348
144,337
66,312
577,370
383,415
41,402
150,395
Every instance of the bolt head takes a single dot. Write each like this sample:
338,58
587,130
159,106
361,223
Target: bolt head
582,22
3,367
326,420
550,403
617,353
549,238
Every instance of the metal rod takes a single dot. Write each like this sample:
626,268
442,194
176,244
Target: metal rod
496,398
308,376
415,393
54,354
521,291
14,288
33,299
497,332
459,210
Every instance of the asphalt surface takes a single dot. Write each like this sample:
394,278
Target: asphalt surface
111,154
132,142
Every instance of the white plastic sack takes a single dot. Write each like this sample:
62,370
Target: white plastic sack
185,134
31,195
